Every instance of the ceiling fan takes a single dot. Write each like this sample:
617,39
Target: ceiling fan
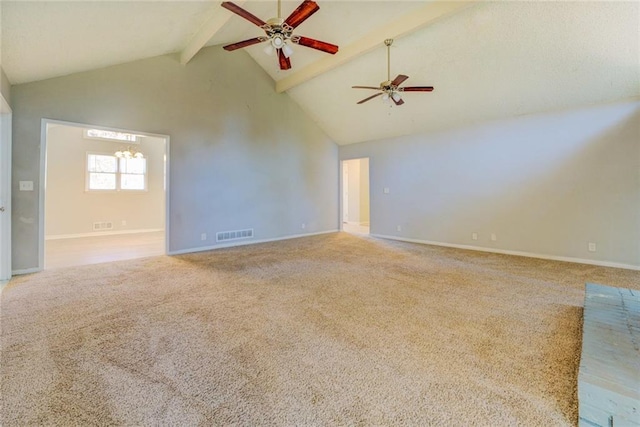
391,88
279,32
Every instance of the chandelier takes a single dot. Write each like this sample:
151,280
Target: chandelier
129,153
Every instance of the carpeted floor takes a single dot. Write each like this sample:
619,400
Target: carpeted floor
326,330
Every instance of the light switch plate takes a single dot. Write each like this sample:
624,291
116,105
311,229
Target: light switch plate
26,185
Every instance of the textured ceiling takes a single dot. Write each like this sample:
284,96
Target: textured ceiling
44,39
490,61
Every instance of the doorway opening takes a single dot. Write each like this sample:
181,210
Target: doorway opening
355,196
5,191
104,195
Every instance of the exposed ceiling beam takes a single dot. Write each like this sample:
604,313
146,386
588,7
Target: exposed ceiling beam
218,16
408,23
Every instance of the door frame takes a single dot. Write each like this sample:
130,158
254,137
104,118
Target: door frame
344,211
6,116
43,177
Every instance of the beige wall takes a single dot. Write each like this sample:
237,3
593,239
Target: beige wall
70,209
241,155
353,190
545,184
358,190
364,191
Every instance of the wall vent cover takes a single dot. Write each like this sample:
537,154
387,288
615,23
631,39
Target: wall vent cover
223,236
100,226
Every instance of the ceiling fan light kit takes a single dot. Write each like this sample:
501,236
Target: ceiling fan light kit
279,32
390,89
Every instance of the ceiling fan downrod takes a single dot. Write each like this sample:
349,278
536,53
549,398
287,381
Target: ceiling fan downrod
388,43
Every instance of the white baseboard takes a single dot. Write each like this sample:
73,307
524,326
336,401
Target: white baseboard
516,253
26,271
101,233
205,248
246,242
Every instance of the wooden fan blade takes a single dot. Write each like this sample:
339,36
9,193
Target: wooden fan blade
243,43
418,89
241,12
317,44
398,102
371,97
285,63
302,12
398,80
365,87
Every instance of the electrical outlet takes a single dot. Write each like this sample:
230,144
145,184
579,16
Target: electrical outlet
474,236
304,225
124,222
592,247
385,190
399,228
494,237
203,236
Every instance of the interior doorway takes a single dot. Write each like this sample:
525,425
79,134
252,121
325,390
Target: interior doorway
5,190
104,195
355,196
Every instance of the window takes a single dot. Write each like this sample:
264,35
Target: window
106,172
102,171
133,174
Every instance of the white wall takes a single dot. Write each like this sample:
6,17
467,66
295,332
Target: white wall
71,210
544,184
241,155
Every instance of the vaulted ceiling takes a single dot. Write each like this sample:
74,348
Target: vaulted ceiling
486,60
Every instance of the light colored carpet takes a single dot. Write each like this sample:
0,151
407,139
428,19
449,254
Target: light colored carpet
327,330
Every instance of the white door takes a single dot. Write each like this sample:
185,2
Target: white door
5,190
345,191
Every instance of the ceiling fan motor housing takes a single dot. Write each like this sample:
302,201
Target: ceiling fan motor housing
278,32
386,85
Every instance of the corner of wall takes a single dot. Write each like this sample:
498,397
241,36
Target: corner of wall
5,86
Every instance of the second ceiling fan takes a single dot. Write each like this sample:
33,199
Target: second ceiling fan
390,89
280,31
